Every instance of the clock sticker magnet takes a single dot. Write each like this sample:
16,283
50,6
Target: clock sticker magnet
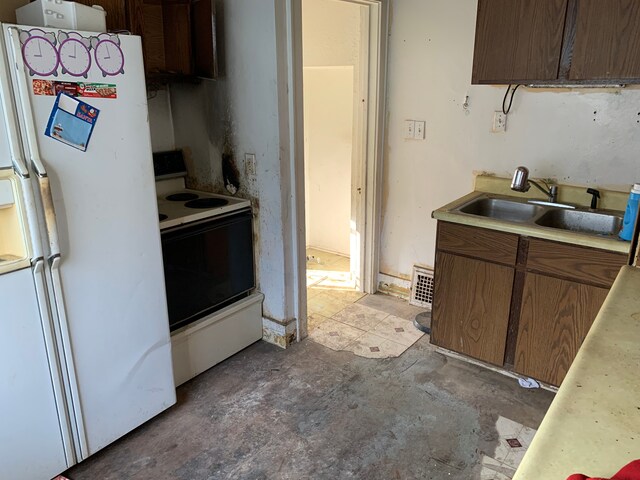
75,58
39,52
109,57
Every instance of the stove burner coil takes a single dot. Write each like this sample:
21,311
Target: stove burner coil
182,197
206,203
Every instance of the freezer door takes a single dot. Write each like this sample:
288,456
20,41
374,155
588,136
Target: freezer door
14,241
11,153
31,439
5,155
107,280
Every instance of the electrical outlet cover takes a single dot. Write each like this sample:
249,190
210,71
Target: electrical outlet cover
499,122
250,164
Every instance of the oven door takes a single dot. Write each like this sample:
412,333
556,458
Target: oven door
207,265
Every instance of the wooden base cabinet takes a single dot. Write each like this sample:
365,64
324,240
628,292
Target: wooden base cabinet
517,302
555,317
471,305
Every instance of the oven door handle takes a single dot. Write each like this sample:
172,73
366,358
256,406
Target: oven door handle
206,225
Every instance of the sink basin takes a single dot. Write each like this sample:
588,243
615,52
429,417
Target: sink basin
500,209
581,221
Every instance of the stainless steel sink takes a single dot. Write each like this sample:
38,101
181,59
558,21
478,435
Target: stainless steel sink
582,221
500,209
544,214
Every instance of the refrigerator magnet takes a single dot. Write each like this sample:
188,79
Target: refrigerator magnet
72,121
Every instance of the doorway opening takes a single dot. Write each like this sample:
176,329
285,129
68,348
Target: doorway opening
343,50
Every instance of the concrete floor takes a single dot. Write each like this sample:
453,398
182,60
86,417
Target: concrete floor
311,412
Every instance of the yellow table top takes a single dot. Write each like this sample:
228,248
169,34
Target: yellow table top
593,424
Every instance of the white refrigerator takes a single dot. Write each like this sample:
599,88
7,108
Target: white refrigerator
85,353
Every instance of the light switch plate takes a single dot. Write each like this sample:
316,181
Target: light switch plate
418,133
250,164
409,129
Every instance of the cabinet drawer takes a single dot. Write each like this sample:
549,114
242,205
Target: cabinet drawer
498,247
586,265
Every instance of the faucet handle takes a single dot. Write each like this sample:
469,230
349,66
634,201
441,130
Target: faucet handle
594,198
520,180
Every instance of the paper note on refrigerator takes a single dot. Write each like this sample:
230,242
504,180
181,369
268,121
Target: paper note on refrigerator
72,121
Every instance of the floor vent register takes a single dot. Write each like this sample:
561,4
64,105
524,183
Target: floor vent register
422,287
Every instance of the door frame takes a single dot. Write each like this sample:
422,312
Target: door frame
375,114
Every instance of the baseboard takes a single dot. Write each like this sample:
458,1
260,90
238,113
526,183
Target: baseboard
493,368
395,286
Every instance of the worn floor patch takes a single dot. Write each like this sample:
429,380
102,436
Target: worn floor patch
311,412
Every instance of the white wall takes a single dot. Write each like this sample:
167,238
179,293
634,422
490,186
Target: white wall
580,137
331,41
331,32
160,120
328,131
200,115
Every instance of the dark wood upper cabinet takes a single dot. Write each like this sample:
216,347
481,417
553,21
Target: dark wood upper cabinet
167,37
518,40
118,13
178,36
557,42
607,40
204,37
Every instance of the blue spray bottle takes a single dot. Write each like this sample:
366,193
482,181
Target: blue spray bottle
630,213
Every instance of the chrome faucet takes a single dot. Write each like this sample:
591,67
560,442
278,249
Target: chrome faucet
521,183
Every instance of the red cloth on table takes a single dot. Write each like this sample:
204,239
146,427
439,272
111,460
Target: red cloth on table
630,472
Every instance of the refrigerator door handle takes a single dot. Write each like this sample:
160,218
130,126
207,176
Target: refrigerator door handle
49,217
32,142
57,375
11,121
75,405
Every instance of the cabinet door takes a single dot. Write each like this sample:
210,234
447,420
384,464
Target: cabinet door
153,37
555,318
167,36
177,36
471,306
518,40
204,35
607,40
116,12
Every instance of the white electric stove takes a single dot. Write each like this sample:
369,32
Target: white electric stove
178,205
207,249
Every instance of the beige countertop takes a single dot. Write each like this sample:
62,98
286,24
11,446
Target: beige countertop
593,424
447,213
